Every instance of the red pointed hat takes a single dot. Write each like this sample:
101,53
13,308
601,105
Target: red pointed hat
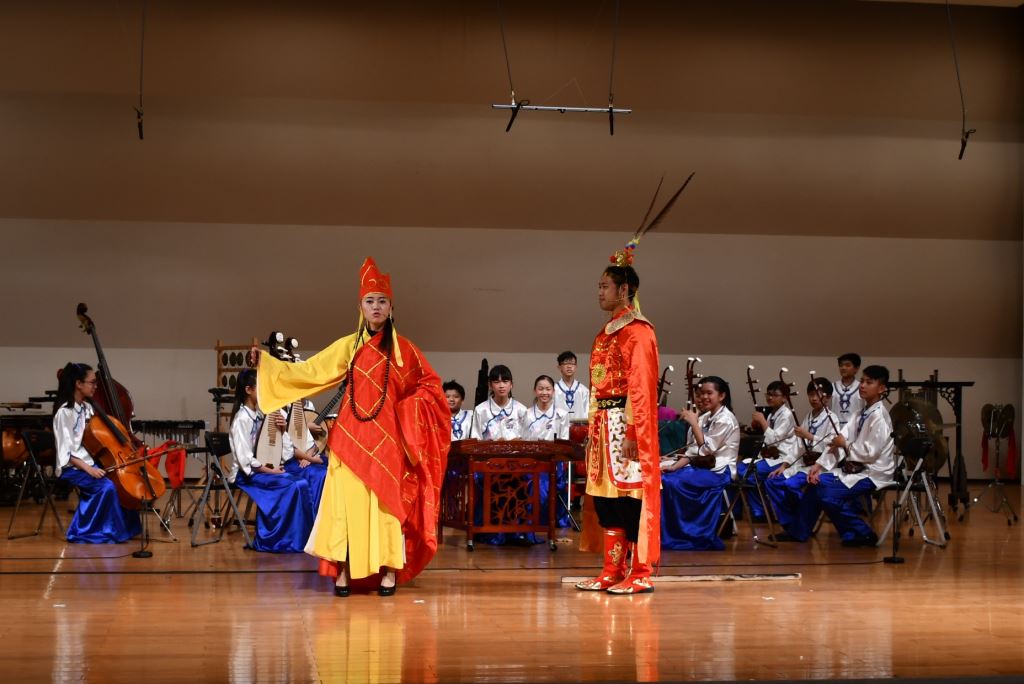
372,281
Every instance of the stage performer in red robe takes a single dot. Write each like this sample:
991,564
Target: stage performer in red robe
623,461
388,447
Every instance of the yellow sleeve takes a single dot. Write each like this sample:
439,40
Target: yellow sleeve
279,383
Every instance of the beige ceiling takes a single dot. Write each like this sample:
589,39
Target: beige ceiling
285,141
832,118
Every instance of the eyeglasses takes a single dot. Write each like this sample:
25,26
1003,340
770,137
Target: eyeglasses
89,382
774,394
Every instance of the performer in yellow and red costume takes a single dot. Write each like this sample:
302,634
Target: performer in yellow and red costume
388,447
623,460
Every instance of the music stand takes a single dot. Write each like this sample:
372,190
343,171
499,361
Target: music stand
995,487
217,445
748,480
36,442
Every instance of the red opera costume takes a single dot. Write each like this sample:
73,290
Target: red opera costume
623,405
387,457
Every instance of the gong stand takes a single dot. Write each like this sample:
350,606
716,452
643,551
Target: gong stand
952,392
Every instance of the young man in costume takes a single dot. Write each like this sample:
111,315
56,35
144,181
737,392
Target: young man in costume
623,462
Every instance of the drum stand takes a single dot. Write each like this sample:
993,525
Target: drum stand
918,482
998,496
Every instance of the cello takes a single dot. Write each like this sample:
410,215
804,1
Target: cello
121,454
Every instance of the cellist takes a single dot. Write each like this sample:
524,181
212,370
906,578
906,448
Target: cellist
99,518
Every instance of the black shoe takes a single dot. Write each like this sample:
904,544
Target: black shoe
870,540
785,537
341,592
386,591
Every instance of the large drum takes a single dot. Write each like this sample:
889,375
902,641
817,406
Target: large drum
579,428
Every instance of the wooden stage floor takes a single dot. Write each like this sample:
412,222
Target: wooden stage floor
219,613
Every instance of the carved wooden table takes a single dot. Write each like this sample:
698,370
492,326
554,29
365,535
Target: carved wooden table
510,477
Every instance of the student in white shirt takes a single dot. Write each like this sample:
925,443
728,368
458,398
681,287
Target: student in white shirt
462,420
780,442
846,401
545,421
501,416
859,461
570,394
284,506
691,496
99,517
786,484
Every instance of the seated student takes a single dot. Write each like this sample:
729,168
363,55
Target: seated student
284,515
462,420
786,484
571,395
99,518
499,418
691,495
780,441
306,462
859,460
545,421
846,399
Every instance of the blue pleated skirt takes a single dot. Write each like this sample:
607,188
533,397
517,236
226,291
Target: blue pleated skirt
786,495
99,518
284,516
691,505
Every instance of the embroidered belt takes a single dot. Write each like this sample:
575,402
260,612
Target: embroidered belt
610,403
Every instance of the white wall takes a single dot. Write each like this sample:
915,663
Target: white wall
173,383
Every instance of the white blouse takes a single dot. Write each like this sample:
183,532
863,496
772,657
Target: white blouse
821,427
780,434
721,439
575,400
245,428
287,445
491,421
68,428
462,425
869,439
846,401
546,425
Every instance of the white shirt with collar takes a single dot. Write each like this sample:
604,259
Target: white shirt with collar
245,428
846,401
869,441
491,421
781,434
574,400
546,425
821,427
68,428
721,439
462,425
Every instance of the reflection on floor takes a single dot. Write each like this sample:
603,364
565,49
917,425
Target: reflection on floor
220,613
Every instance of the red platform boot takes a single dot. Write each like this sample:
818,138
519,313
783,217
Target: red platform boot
639,579
615,546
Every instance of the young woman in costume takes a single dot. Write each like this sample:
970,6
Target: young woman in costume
386,451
